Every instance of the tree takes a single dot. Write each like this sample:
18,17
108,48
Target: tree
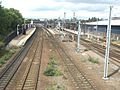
9,19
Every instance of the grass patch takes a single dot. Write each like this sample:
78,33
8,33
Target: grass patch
55,87
93,60
83,59
2,43
6,55
52,69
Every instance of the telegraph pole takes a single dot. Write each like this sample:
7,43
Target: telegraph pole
107,46
78,39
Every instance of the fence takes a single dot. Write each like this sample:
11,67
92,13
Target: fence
13,35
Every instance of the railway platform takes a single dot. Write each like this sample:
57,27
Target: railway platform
20,40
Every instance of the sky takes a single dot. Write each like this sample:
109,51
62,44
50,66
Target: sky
83,9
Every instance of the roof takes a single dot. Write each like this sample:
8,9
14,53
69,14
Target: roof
105,22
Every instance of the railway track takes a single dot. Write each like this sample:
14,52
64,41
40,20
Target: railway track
114,54
24,72
80,80
29,80
9,71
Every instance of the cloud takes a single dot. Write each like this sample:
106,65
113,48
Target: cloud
88,1
56,8
47,9
95,8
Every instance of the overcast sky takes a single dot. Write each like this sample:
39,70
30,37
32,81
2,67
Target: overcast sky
56,8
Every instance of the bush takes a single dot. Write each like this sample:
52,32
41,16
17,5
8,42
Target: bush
6,56
52,61
93,60
51,69
55,87
2,44
2,62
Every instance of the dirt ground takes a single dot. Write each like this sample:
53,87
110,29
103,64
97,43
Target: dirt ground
93,71
47,82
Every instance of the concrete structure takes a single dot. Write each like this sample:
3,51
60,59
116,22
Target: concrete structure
22,39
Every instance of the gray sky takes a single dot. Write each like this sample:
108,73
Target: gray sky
56,8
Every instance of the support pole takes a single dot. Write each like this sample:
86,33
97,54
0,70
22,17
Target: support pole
78,39
107,46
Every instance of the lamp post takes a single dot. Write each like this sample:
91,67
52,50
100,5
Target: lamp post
18,29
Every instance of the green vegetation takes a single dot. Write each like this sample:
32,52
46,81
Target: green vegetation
93,60
93,19
9,19
83,59
51,69
1,44
5,55
55,87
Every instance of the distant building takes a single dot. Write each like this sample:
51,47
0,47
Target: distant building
102,26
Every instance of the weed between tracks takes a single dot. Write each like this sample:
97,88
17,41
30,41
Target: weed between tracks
93,60
52,69
55,87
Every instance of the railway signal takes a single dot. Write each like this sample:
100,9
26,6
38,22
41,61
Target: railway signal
107,46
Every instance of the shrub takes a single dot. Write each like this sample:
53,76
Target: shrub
6,55
2,62
93,60
52,62
55,87
51,69
2,43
